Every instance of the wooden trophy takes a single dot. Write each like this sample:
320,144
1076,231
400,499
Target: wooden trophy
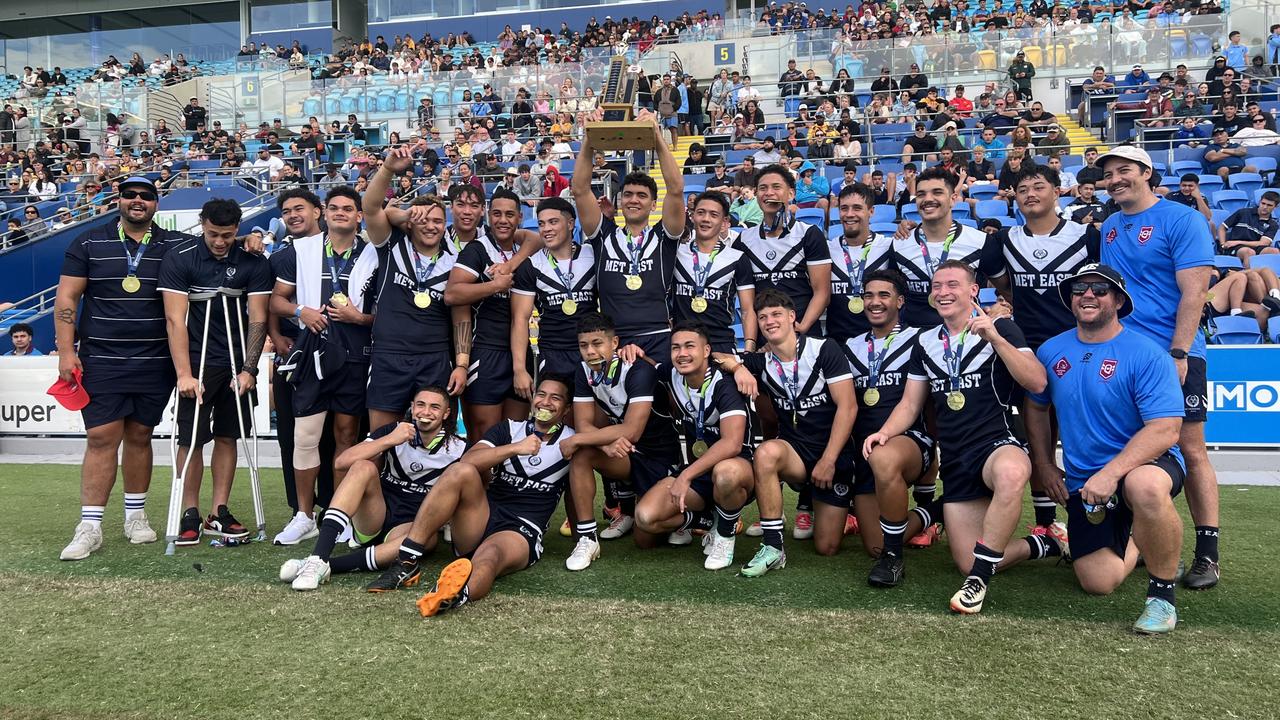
620,130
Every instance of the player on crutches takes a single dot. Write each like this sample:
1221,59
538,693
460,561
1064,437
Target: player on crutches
208,285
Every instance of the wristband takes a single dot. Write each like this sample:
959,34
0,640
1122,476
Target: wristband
297,312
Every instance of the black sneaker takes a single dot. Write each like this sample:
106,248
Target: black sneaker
189,528
1204,574
888,571
401,574
223,524
1272,305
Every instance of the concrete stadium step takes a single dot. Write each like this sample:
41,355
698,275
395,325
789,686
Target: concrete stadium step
1080,137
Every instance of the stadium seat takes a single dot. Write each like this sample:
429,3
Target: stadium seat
1263,163
1234,330
983,192
884,213
960,210
1265,261
813,216
1257,194
910,212
1219,215
987,296
1230,200
1182,167
968,222
992,209
694,189
1273,330
1227,262
1246,182
1210,184
884,228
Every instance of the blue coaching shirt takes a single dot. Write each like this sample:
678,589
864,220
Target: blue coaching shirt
1103,393
1149,249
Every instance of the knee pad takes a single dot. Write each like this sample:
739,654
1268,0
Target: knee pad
306,441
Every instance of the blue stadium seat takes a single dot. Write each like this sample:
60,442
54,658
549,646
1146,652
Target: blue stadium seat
960,210
983,193
1246,182
1210,184
1268,261
1234,330
1263,163
1257,194
910,212
992,209
1273,330
813,216
1182,167
884,228
884,213
1227,262
1230,200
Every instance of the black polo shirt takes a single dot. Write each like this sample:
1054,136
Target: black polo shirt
191,268
1244,224
123,345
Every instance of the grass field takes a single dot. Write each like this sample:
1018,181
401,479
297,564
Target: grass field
131,633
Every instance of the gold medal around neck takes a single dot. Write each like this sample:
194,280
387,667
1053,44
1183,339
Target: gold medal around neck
871,397
634,282
933,303
569,307
542,415
422,299
131,284
856,305
699,304
700,448
338,300
955,400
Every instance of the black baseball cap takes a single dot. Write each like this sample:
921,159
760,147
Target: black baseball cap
1112,276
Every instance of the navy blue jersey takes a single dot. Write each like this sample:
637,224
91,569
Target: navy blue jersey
800,391
982,378
550,283
190,269
849,265
890,357
493,314
399,325
528,486
410,469
783,262
716,277
1035,265
1103,393
123,344
910,259
623,384
642,311
279,260
716,398
355,338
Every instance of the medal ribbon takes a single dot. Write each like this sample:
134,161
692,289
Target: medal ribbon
633,248
135,258
855,287
423,275
432,446
699,273
876,361
699,420
929,267
530,429
335,275
604,376
566,278
952,359
792,386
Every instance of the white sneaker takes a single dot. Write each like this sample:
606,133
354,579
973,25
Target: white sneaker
719,551
706,542
680,538
446,532
137,529
312,574
584,553
755,530
301,527
619,526
88,537
289,570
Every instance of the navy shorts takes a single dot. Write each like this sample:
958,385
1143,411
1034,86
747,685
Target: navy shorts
217,411
1114,530
344,394
843,485
501,520
961,472
862,468
656,346
704,486
395,377
490,379
144,408
647,472
1195,391
558,362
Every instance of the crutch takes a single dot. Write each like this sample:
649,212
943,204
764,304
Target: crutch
534,333
250,453
179,475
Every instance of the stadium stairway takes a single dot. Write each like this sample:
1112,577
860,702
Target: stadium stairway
1080,137
681,151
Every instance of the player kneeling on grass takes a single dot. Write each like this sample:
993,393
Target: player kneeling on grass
714,419
379,505
1119,410
498,530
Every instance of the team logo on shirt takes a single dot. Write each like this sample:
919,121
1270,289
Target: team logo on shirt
1041,253
772,255
1061,367
1111,235
415,467
231,271
535,461
1145,233
1108,369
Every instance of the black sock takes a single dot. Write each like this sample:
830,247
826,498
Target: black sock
687,522
1042,547
893,532
923,494
410,551
704,519
610,494
772,528
1161,588
586,529
354,561
930,512
335,521
726,521
1207,542
627,501
985,561
1046,509
804,499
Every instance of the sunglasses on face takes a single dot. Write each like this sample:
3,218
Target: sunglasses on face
1100,289
136,194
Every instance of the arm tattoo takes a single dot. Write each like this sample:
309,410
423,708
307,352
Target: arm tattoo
257,339
67,315
462,337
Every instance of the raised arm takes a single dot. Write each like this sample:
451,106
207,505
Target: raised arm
580,184
673,215
376,221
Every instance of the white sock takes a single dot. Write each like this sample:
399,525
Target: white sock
92,514
1274,293
1236,311
134,503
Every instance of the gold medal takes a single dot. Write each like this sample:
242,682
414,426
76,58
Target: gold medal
932,303
422,299
699,304
1095,514
871,397
955,400
856,305
634,282
569,307
338,299
542,415
131,284
699,448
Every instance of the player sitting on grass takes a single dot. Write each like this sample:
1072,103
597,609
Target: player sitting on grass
378,505
496,530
